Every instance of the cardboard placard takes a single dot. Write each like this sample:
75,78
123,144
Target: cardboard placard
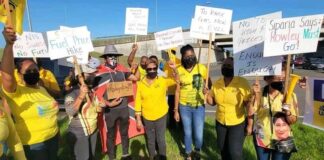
119,89
248,43
169,38
292,35
136,21
30,44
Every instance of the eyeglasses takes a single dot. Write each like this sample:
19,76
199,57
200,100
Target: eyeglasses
112,58
151,69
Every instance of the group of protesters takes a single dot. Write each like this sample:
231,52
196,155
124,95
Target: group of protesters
28,117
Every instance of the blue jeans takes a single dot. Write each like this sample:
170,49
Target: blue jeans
264,153
193,119
44,150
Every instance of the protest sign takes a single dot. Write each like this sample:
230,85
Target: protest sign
199,30
248,43
119,89
314,110
292,35
67,43
30,44
214,20
169,38
136,21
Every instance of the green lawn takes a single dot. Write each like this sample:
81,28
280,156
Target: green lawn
310,143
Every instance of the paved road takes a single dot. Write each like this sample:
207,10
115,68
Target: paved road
215,73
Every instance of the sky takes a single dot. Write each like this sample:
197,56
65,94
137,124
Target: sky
107,17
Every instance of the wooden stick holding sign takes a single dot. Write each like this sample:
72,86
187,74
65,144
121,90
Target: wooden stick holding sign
9,18
135,42
79,72
208,62
287,78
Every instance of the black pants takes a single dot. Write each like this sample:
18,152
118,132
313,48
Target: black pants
84,147
114,118
44,150
230,141
155,132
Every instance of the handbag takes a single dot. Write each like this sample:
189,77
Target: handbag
283,146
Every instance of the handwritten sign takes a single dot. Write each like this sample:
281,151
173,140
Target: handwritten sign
199,30
215,20
248,43
67,43
119,89
30,44
169,38
292,35
136,21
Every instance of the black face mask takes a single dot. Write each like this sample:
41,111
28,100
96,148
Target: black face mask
152,75
189,61
31,78
279,86
227,72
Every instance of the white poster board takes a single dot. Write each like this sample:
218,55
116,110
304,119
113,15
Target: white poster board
217,20
136,21
30,44
314,106
67,43
248,44
199,30
292,35
169,38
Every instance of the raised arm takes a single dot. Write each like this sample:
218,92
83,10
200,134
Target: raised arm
8,80
131,56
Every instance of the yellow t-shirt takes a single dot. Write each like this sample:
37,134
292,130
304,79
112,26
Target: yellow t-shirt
262,123
142,72
151,98
9,137
192,84
229,100
46,76
35,114
169,72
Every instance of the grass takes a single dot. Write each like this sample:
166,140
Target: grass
310,143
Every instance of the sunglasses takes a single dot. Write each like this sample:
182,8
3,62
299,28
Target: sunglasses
151,69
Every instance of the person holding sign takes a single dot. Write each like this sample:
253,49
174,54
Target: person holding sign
152,108
83,114
142,66
231,95
34,110
47,78
189,100
116,110
267,103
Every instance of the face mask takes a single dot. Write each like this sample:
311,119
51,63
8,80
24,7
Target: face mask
227,72
112,62
151,75
277,86
189,61
31,78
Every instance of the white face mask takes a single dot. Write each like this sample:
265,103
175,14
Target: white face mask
112,61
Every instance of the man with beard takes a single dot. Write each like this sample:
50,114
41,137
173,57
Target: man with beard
116,111
189,100
231,95
82,111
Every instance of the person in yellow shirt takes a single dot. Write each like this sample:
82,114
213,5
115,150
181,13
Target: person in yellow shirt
231,95
271,119
141,68
9,138
33,109
189,100
47,79
151,105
